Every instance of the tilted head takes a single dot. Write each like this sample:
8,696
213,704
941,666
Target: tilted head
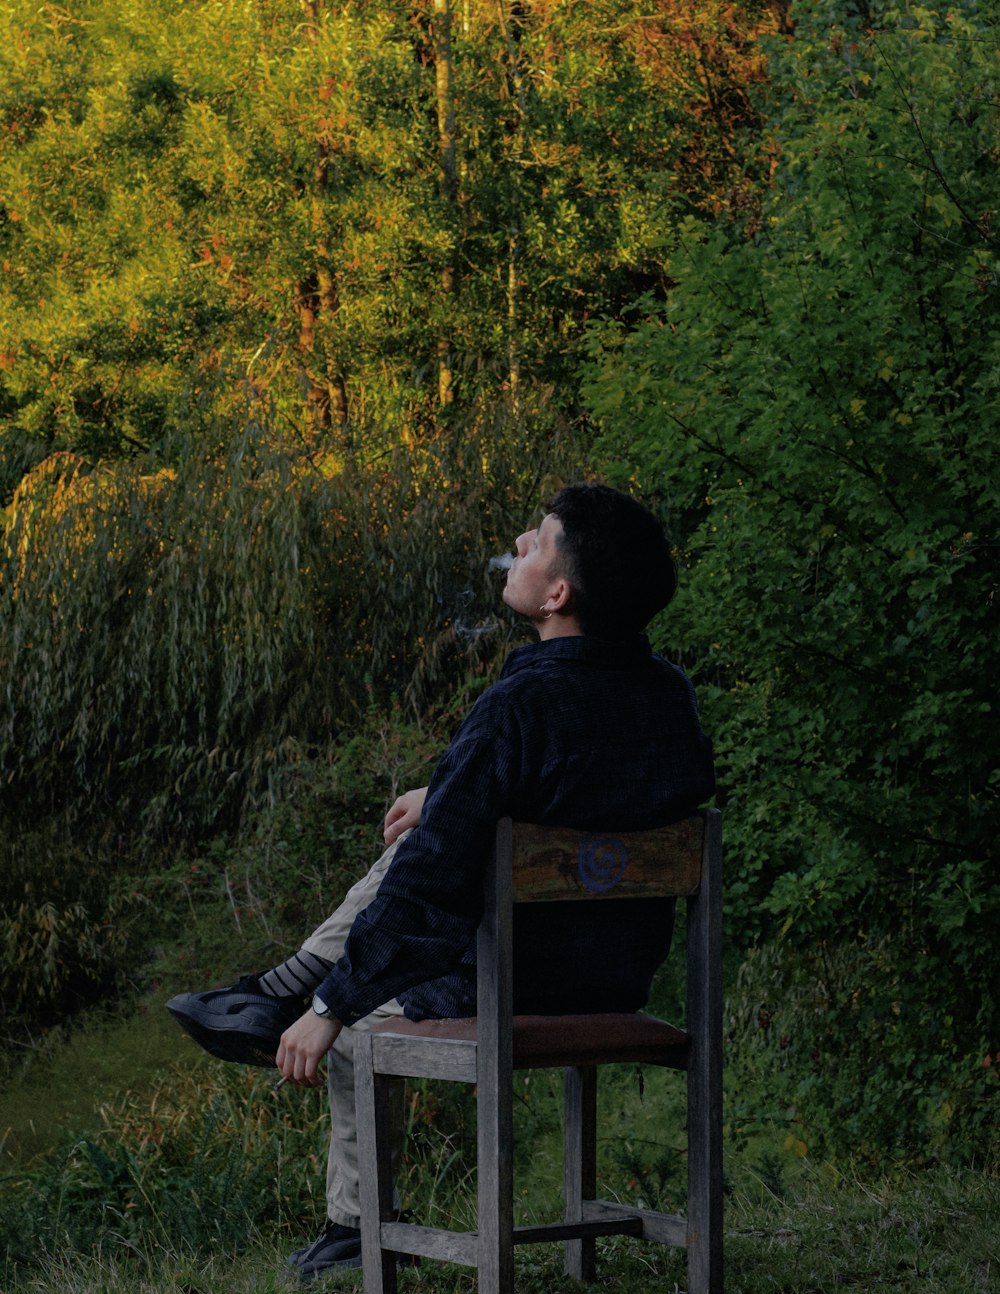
616,558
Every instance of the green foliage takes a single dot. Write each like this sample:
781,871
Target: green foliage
84,922
191,1169
181,645
185,180
259,890
51,956
817,406
835,1045
211,1179
65,926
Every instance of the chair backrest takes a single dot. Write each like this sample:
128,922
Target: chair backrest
550,864
533,864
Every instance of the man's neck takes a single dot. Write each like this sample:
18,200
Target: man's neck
558,626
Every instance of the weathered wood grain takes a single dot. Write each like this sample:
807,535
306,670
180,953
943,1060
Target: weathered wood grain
550,864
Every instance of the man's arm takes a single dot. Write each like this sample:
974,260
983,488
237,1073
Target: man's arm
428,905
305,1043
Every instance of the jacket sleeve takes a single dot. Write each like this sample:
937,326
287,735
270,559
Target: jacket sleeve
430,901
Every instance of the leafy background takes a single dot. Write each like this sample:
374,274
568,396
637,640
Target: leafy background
304,311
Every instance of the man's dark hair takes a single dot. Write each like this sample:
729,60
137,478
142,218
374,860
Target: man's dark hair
617,558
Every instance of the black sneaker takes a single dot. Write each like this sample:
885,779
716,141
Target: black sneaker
338,1246
240,1023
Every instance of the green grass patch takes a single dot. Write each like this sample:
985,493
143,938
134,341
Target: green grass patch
65,1080
206,1179
929,1234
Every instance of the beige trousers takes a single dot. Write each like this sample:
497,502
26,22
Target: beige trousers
343,1202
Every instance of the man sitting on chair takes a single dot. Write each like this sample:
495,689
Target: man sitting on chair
586,728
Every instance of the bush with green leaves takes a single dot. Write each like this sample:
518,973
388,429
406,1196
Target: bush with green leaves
817,404
56,955
185,638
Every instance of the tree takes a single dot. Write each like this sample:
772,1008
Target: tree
368,209
818,403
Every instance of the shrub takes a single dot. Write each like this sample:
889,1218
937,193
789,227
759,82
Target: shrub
817,404
199,1164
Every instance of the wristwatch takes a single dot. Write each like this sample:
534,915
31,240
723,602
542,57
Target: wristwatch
319,1006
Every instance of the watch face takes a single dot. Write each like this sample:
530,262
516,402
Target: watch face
319,1006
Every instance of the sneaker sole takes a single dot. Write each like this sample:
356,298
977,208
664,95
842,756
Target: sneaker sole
226,1037
340,1265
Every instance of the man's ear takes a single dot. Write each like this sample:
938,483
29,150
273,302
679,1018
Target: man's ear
560,600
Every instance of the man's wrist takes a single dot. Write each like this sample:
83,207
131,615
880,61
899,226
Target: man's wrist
330,994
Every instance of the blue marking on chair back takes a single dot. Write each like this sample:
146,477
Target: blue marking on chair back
602,863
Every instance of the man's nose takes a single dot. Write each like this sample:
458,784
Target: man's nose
522,542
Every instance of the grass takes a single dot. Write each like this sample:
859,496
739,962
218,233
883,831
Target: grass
131,1162
907,1236
65,1079
143,1212
932,1232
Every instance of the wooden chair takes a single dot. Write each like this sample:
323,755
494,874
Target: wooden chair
536,864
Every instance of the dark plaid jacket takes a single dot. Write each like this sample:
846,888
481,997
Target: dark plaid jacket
577,732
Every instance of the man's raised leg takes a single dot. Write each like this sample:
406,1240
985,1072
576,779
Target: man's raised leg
244,1021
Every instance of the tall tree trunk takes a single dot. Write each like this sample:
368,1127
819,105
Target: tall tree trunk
448,179
316,294
513,360
307,305
510,31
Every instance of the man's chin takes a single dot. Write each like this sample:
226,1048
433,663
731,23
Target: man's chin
512,603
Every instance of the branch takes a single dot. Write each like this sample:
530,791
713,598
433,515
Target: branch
979,229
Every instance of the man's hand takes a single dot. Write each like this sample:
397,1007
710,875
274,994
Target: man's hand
405,813
304,1045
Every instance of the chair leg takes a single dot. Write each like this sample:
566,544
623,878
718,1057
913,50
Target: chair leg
495,1186
704,1075
580,1163
705,1178
374,1096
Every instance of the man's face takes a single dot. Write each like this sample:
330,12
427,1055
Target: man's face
537,569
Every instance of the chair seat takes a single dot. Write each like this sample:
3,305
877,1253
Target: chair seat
542,1041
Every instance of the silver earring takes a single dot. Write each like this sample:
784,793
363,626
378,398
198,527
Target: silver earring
546,615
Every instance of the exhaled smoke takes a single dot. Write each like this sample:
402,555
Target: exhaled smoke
462,623
468,631
465,624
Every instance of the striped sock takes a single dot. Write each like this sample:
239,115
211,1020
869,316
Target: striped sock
297,977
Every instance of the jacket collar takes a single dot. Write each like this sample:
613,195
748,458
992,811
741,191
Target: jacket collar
611,653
